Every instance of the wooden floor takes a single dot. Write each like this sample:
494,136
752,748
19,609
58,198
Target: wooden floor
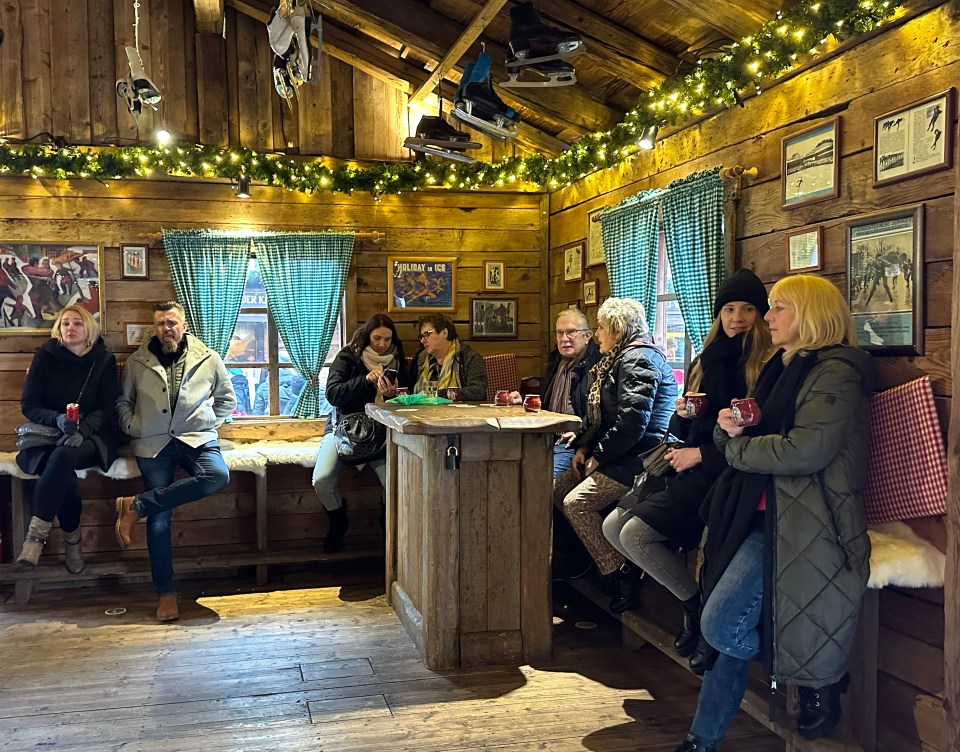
321,669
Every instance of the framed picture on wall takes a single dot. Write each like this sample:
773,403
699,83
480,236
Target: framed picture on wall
38,280
804,250
134,262
885,280
811,164
595,254
421,283
914,140
493,318
573,263
135,333
494,276
590,293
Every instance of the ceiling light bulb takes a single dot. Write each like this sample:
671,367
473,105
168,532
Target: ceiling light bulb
163,136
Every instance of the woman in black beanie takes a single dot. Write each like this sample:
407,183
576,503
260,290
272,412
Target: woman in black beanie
650,530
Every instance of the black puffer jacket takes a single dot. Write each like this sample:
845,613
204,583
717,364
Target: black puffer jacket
578,381
55,378
471,373
636,401
347,387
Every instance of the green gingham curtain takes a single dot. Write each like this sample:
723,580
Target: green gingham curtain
629,232
304,276
692,213
209,270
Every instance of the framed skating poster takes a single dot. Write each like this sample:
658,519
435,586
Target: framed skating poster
885,280
418,283
595,238
573,263
494,276
914,140
493,318
810,165
38,280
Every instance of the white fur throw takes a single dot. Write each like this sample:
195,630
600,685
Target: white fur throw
901,557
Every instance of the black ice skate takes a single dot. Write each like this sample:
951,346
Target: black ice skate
548,74
532,42
436,137
477,104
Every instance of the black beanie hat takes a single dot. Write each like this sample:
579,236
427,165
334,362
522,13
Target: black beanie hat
742,285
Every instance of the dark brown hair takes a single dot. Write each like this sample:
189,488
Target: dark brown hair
361,337
439,322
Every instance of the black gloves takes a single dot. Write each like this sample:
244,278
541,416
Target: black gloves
69,427
70,439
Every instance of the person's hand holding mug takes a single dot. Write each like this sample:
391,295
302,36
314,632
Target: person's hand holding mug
680,406
725,421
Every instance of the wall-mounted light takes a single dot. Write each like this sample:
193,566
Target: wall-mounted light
243,186
648,138
163,136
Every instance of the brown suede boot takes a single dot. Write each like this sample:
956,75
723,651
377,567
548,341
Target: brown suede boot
73,551
37,535
167,608
127,519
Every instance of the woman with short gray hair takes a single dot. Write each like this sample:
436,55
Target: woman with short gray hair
629,404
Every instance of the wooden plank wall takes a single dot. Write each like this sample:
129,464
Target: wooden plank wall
59,63
894,69
468,226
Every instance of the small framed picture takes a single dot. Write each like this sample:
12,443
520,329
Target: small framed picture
804,250
573,263
136,333
811,164
914,140
594,238
885,280
493,318
134,262
590,293
494,276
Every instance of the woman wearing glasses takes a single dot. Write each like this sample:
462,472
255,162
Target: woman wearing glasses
445,361
629,403
356,378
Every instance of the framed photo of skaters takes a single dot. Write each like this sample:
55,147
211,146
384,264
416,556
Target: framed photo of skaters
595,238
135,333
914,140
493,318
573,263
590,293
134,262
494,276
885,280
810,165
421,283
804,250
38,280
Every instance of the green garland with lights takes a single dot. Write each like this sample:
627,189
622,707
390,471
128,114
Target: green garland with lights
775,47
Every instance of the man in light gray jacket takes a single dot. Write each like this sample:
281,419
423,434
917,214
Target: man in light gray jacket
176,392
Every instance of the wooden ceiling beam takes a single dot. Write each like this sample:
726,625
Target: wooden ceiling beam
733,19
467,37
209,16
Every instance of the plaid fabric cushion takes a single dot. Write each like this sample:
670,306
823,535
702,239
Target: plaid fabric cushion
501,373
907,476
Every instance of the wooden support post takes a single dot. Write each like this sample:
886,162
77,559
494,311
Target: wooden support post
23,587
261,499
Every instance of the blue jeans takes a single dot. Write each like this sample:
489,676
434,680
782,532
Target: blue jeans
730,623
207,472
327,469
562,459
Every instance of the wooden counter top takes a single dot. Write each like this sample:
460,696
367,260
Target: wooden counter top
469,417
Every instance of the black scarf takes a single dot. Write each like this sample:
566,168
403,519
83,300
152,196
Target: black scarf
729,507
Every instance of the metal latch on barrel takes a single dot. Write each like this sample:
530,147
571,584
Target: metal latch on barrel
453,452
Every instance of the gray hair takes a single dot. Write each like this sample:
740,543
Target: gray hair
624,315
577,314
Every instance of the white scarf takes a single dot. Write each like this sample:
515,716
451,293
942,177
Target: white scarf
375,363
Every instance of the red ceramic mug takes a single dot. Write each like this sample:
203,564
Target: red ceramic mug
452,393
73,411
402,390
531,403
503,398
697,404
745,412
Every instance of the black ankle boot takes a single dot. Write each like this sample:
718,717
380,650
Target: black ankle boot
820,709
698,658
626,588
338,525
687,637
692,746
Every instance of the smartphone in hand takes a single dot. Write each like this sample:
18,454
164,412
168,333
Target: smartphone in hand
390,374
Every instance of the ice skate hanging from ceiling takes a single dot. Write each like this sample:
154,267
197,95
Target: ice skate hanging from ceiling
540,51
289,29
137,89
436,137
477,104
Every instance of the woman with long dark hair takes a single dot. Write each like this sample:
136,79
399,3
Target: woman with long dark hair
648,531
787,543
360,374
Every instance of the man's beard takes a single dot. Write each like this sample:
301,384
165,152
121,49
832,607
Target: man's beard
169,346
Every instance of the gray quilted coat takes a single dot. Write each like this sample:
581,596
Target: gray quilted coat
818,469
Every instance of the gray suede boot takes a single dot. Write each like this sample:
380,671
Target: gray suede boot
33,544
73,550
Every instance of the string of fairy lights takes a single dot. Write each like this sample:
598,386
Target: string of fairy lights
773,49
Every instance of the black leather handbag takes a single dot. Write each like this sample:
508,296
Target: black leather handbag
655,460
359,439
30,435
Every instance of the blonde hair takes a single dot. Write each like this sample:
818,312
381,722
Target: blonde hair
757,347
821,317
623,315
89,322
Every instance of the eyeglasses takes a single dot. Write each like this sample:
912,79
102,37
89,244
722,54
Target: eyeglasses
570,332
426,333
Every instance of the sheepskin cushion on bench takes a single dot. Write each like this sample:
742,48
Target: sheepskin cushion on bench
898,556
